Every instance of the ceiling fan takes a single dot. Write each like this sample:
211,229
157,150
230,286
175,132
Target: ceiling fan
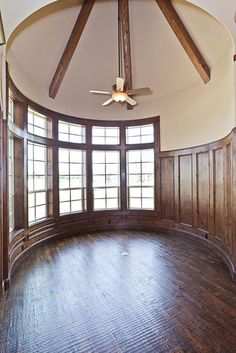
122,91
121,95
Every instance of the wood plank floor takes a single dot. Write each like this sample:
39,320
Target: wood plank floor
121,291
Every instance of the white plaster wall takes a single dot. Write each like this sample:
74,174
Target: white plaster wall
200,114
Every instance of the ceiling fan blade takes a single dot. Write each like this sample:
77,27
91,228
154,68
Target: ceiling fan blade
99,92
120,84
140,91
109,101
131,101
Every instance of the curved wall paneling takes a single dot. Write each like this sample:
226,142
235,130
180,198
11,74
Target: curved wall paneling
195,192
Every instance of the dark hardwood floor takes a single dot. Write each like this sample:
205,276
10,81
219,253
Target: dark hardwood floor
120,291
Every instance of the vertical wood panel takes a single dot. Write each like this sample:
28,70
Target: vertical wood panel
203,191
185,189
218,194
167,188
228,198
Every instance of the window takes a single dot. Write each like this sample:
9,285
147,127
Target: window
37,182
105,135
11,182
72,180
106,180
140,179
10,110
140,134
71,132
38,124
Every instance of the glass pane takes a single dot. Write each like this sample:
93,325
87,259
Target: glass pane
147,130
135,192
40,198
75,169
113,180
65,207
112,192
98,157
64,168
99,193
40,212
75,139
147,139
39,168
134,168
40,122
98,140
134,180
112,141
99,204
98,169
113,157
63,155
31,215
76,130
30,168
135,203
76,156
98,131
134,140
148,192
39,153
112,203
63,137
64,195
30,151
148,204
99,180
64,182
134,156
148,168
39,183
76,194
31,200
112,169
30,129
63,127
30,183
148,179
133,131
76,182
76,206
148,155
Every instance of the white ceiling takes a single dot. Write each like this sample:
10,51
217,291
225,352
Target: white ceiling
158,60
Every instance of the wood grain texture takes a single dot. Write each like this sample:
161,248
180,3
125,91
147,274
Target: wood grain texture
81,295
70,47
203,190
167,188
185,189
125,29
185,39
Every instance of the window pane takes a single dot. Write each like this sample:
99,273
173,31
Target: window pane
40,198
71,132
105,135
106,179
38,124
40,212
64,207
72,180
140,179
140,134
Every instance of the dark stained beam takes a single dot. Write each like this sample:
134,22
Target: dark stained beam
125,29
184,38
70,47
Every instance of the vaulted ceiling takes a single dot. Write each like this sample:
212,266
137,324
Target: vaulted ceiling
158,59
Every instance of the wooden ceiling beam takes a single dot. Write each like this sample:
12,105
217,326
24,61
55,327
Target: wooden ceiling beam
184,38
125,30
70,47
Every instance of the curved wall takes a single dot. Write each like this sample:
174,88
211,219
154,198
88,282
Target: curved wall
189,116
196,197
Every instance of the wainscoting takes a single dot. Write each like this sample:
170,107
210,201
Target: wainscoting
196,197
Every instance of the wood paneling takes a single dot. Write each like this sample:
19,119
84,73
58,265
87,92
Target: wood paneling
185,189
218,186
167,189
203,189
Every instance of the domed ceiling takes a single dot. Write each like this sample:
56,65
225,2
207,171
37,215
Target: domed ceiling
158,59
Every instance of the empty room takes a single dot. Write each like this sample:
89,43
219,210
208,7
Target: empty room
117,176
